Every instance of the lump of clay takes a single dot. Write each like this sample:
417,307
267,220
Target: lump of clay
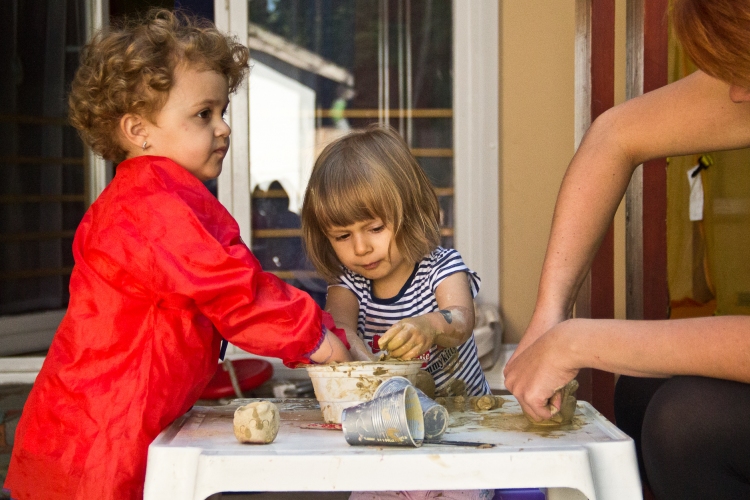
567,407
484,403
425,383
256,423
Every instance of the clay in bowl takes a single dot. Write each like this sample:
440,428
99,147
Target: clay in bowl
341,385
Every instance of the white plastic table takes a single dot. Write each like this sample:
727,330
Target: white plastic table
198,456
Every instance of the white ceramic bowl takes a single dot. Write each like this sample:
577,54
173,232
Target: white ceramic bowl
341,385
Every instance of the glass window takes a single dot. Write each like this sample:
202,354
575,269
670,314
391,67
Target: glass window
42,193
321,68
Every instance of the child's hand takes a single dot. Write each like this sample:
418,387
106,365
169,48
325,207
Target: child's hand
358,349
409,338
331,350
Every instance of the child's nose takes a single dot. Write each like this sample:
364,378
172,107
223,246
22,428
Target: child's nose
361,246
223,129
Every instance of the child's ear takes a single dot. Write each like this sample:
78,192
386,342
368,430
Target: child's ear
133,131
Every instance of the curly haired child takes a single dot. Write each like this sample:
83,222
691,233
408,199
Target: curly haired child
161,274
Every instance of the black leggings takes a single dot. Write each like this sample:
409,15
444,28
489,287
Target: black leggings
692,435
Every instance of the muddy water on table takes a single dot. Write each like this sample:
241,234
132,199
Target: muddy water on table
507,421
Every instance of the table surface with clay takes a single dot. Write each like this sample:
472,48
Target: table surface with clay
198,455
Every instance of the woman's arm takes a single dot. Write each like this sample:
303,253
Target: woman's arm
717,347
450,326
344,307
692,115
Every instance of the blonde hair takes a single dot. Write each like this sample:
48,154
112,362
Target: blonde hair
130,67
365,175
716,36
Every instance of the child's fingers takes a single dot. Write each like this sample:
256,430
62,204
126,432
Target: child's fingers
412,353
412,345
390,339
359,351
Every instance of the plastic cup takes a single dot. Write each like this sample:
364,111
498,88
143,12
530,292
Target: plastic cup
435,416
394,419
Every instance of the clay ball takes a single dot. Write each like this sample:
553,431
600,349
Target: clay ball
425,383
256,423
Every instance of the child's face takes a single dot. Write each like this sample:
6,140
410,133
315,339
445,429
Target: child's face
367,248
190,128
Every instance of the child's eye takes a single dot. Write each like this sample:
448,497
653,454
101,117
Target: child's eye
341,237
377,229
206,113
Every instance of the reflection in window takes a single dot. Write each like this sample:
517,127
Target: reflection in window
321,68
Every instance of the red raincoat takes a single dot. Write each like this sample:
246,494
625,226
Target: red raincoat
160,272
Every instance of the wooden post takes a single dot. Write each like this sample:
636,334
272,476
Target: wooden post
655,75
596,299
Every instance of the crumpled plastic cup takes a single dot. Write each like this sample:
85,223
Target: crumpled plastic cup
435,415
394,419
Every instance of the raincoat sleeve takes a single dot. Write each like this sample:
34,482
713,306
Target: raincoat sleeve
196,258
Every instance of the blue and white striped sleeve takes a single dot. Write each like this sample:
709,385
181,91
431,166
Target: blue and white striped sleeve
447,262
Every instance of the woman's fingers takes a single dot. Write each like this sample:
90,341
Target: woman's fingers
536,376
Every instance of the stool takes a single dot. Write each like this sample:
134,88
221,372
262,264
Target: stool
234,377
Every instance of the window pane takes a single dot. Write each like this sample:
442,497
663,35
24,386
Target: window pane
324,67
41,157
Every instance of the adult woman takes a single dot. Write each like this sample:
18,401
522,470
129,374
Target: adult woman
695,430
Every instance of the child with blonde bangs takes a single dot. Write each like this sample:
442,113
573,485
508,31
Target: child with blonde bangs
370,223
161,274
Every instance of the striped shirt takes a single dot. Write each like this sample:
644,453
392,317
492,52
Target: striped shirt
417,297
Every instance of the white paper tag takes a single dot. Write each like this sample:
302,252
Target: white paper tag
696,194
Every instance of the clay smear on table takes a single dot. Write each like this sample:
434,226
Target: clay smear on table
507,418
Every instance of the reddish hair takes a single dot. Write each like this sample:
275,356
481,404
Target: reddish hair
716,36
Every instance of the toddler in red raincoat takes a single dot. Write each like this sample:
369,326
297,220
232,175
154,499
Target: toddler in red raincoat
161,273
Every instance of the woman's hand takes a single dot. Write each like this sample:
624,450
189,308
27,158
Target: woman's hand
536,375
409,338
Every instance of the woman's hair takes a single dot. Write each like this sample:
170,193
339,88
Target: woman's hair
365,175
129,68
716,36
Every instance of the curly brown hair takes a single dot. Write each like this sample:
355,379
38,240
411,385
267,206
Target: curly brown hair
129,68
364,175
